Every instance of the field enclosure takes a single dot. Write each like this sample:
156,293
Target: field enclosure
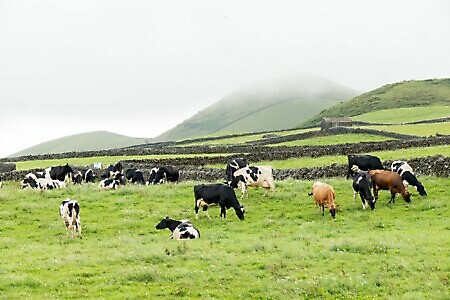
283,248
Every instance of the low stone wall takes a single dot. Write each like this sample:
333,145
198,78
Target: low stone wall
432,165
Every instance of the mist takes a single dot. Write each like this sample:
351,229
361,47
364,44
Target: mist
140,68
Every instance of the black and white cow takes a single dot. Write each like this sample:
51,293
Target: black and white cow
163,174
69,210
112,183
233,165
403,169
181,230
33,182
134,176
362,185
89,176
61,173
217,194
77,177
258,176
364,163
112,170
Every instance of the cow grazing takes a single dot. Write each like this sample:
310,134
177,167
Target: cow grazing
163,174
89,176
259,176
221,194
33,182
324,195
364,163
233,165
403,169
134,176
362,185
388,180
112,170
69,210
181,230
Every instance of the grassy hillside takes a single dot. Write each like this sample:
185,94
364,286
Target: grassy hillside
397,95
405,115
96,140
269,106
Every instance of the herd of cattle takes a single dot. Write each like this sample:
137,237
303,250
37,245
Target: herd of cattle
367,172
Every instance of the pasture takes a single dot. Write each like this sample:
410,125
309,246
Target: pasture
283,249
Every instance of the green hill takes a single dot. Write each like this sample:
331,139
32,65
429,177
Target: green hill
275,105
96,140
416,93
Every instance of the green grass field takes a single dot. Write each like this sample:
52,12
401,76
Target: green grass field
336,139
283,249
403,115
416,129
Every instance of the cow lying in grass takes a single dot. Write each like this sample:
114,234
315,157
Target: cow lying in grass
112,183
181,230
387,180
324,195
69,210
33,182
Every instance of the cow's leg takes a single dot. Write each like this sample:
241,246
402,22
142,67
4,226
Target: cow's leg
79,229
392,197
375,192
323,209
354,196
223,212
205,210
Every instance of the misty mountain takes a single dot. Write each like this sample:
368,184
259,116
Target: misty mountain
274,105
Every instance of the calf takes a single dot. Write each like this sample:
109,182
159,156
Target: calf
409,178
69,210
254,176
324,195
112,183
364,163
388,180
221,194
233,165
362,184
163,174
181,230
134,176
77,177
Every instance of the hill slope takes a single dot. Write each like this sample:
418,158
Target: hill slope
415,93
281,104
96,140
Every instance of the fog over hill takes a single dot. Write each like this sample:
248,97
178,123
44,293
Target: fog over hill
269,105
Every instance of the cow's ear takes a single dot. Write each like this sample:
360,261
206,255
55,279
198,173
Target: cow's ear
167,218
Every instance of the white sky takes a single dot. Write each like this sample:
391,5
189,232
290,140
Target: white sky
140,68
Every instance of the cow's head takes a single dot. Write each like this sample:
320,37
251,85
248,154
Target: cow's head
332,211
163,224
240,212
421,190
235,181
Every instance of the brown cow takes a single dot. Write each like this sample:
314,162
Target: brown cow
324,195
387,180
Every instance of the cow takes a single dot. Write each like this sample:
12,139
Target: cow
362,185
33,182
181,230
61,173
89,176
324,195
163,174
403,169
69,210
77,177
134,176
112,183
217,194
388,180
112,169
364,163
259,176
233,165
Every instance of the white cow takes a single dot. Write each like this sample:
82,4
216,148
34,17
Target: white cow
259,176
69,211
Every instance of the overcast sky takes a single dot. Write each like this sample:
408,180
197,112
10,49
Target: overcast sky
139,68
